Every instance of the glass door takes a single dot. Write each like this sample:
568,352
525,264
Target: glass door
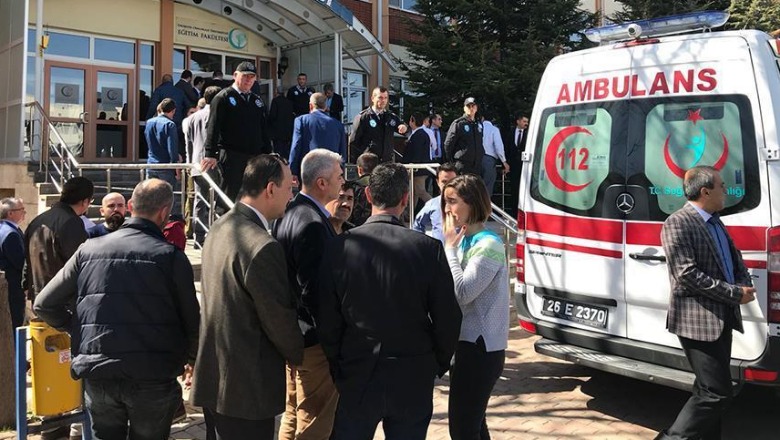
92,110
113,105
66,105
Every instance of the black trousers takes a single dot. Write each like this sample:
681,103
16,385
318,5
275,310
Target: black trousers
222,427
473,374
232,164
398,395
700,417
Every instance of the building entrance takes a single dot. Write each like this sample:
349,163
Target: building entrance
92,109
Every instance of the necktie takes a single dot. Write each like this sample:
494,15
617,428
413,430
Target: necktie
519,137
719,235
245,96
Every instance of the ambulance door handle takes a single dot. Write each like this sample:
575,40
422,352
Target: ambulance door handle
645,257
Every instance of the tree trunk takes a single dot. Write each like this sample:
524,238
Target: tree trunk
7,370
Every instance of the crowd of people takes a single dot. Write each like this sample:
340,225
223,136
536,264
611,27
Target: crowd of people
322,306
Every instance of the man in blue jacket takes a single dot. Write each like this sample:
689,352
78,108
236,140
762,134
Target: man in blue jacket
12,255
163,141
316,130
128,301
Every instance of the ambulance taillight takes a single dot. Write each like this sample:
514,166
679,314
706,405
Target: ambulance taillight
520,247
773,258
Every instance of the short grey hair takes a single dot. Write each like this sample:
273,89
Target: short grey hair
697,178
150,196
319,100
318,163
7,205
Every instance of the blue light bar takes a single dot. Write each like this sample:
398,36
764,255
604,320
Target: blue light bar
656,27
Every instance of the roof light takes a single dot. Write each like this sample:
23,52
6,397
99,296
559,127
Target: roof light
655,27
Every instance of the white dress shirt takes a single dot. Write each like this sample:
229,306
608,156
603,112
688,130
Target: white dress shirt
491,141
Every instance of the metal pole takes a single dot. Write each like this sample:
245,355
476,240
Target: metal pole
183,185
212,207
21,383
411,198
108,180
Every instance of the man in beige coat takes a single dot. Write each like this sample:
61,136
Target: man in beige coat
249,324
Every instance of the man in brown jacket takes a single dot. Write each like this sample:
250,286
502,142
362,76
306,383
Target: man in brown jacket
53,236
249,325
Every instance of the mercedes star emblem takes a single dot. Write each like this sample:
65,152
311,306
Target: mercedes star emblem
625,203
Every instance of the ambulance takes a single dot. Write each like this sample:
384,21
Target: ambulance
613,130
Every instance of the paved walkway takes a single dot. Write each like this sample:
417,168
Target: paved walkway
542,398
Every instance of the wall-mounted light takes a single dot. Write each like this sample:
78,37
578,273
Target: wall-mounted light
282,66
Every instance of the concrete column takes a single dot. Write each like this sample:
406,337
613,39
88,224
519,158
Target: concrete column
163,62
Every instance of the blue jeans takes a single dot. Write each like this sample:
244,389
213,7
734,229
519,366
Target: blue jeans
148,407
170,177
489,173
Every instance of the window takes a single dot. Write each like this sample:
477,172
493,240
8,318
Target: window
179,56
586,155
407,5
204,61
354,93
68,45
112,50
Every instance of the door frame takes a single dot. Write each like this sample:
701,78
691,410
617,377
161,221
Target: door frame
91,111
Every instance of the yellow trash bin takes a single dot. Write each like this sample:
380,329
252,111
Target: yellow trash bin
54,391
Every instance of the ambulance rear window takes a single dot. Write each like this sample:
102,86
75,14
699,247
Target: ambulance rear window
587,155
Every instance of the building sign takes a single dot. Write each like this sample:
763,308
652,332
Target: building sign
210,35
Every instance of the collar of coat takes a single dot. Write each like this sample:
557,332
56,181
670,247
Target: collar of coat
143,225
384,218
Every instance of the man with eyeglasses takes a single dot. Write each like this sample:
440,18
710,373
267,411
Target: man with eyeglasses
113,210
12,255
237,129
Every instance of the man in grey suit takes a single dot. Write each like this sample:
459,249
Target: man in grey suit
249,325
709,282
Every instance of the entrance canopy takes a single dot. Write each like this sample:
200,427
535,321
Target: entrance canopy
288,24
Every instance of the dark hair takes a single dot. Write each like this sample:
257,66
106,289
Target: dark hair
446,167
198,80
210,93
472,190
302,74
216,72
368,161
418,118
76,190
261,170
388,184
350,184
166,105
167,77
327,86
380,89
697,178
186,74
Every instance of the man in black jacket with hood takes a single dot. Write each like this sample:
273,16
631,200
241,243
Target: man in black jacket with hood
128,300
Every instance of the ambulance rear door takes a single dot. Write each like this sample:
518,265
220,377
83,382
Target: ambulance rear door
700,108
574,242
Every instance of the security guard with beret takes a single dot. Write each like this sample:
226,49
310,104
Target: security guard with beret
374,128
463,144
237,129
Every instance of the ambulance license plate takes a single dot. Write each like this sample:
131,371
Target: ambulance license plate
584,314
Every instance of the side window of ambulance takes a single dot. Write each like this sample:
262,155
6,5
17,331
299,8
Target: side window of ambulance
717,132
572,157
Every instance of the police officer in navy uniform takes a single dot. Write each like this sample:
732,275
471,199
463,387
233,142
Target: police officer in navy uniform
237,129
463,145
299,95
374,128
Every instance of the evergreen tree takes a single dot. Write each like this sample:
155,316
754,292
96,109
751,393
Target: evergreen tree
755,14
643,9
493,50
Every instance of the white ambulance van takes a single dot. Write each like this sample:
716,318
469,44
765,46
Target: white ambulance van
613,130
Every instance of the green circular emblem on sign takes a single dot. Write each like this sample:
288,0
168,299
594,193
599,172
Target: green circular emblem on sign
237,38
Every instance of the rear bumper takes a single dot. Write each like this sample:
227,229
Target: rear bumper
640,360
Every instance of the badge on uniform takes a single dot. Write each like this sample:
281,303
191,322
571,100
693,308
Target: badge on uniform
372,123
296,93
258,102
466,128
392,123
232,101
309,92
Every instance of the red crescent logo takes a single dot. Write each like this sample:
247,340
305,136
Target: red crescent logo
679,172
552,153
